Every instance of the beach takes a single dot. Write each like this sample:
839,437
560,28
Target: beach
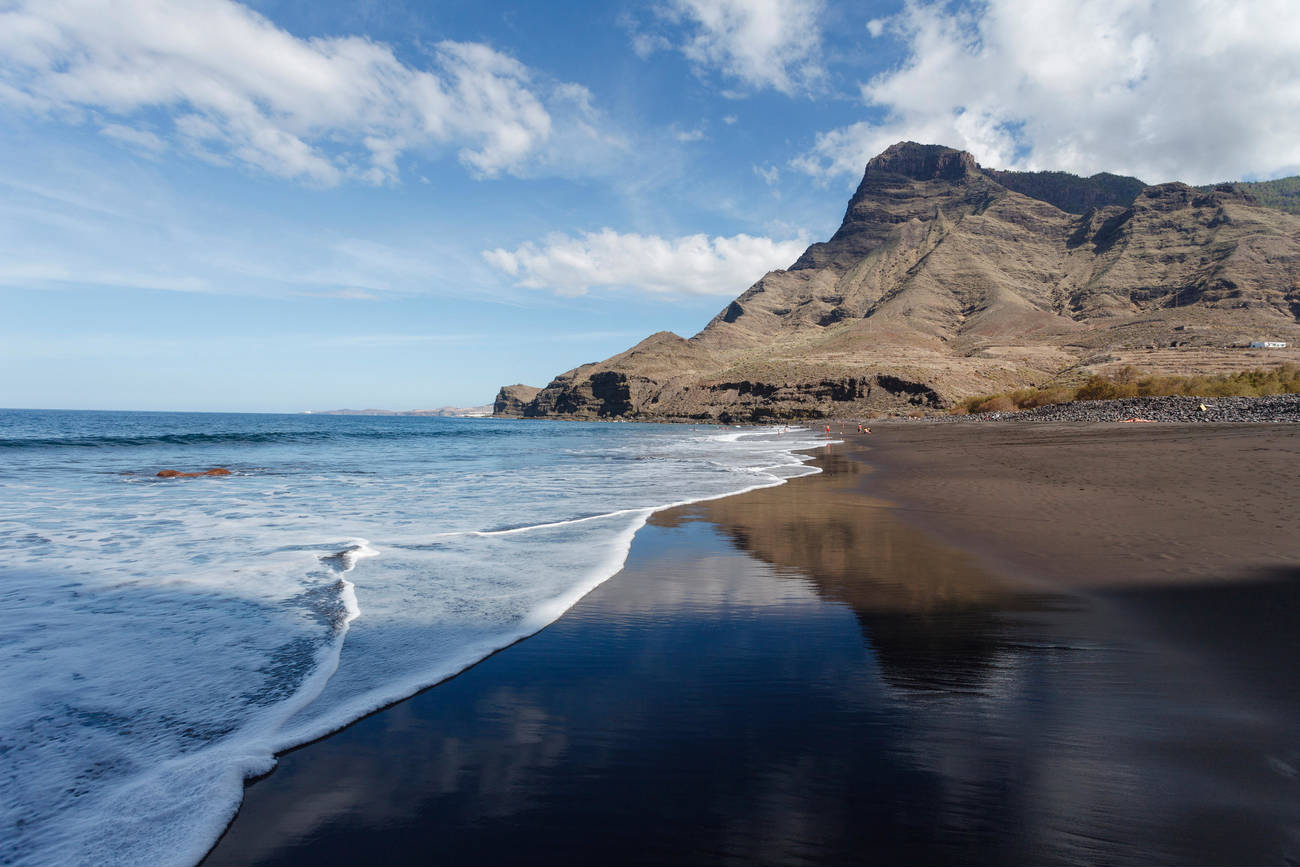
956,644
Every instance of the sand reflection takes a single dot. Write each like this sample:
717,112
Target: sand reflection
935,617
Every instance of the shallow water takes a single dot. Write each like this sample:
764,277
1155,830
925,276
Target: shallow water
161,639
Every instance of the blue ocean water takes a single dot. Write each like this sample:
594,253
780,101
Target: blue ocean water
162,639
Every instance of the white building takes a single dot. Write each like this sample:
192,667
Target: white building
1267,344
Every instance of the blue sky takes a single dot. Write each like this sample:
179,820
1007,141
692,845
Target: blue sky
305,205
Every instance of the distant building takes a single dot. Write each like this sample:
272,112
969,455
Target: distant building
1267,344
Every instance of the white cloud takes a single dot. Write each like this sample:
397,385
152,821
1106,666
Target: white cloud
19,273
690,265
238,89
1197,91
100,230
646,44
141,139
769,174
689,135
759,43
730,120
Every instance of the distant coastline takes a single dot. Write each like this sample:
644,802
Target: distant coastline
442,411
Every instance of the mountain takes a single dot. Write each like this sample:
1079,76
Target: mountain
946,280
1283,193
1072,193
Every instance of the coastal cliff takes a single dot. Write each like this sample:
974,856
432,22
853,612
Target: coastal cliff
946,280
512,399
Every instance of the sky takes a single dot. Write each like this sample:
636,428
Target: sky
286,205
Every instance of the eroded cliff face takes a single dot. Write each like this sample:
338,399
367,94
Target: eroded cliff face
941,283
512,400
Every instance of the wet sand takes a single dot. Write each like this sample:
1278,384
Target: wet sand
865,667
1094,505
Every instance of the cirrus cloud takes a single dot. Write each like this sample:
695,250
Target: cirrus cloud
1199,91
232,87
689,265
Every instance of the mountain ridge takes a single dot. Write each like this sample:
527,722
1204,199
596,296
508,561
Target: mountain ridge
942,282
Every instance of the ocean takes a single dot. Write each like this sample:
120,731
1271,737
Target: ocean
162,639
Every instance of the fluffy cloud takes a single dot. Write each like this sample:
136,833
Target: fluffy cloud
758,43
1200,91
691,265
234,88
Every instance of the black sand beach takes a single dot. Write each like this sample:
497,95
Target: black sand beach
925,662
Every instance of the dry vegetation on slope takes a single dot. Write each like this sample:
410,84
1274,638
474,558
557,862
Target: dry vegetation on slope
1129,382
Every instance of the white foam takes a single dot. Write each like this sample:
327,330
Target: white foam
164,641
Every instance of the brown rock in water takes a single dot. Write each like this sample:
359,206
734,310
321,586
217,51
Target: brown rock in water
177,474
944,282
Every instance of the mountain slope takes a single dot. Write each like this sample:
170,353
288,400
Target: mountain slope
943,282
1282,193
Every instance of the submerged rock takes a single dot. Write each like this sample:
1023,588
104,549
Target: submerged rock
177,474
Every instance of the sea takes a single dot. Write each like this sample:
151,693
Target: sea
161,639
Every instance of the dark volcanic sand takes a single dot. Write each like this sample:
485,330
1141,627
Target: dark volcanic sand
1102,504
803,674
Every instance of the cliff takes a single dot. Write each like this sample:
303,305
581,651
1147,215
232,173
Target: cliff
943,281
512,399
1071,193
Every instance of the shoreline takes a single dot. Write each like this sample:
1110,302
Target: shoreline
1176,409
927,621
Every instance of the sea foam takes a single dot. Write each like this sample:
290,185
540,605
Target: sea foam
163,639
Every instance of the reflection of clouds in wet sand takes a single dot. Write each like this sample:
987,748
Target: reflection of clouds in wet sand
514,736
733,583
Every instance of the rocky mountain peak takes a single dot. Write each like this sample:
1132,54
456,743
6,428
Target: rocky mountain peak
946,280
908,182
924,162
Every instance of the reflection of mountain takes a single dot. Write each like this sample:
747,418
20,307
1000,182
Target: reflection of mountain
936,619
